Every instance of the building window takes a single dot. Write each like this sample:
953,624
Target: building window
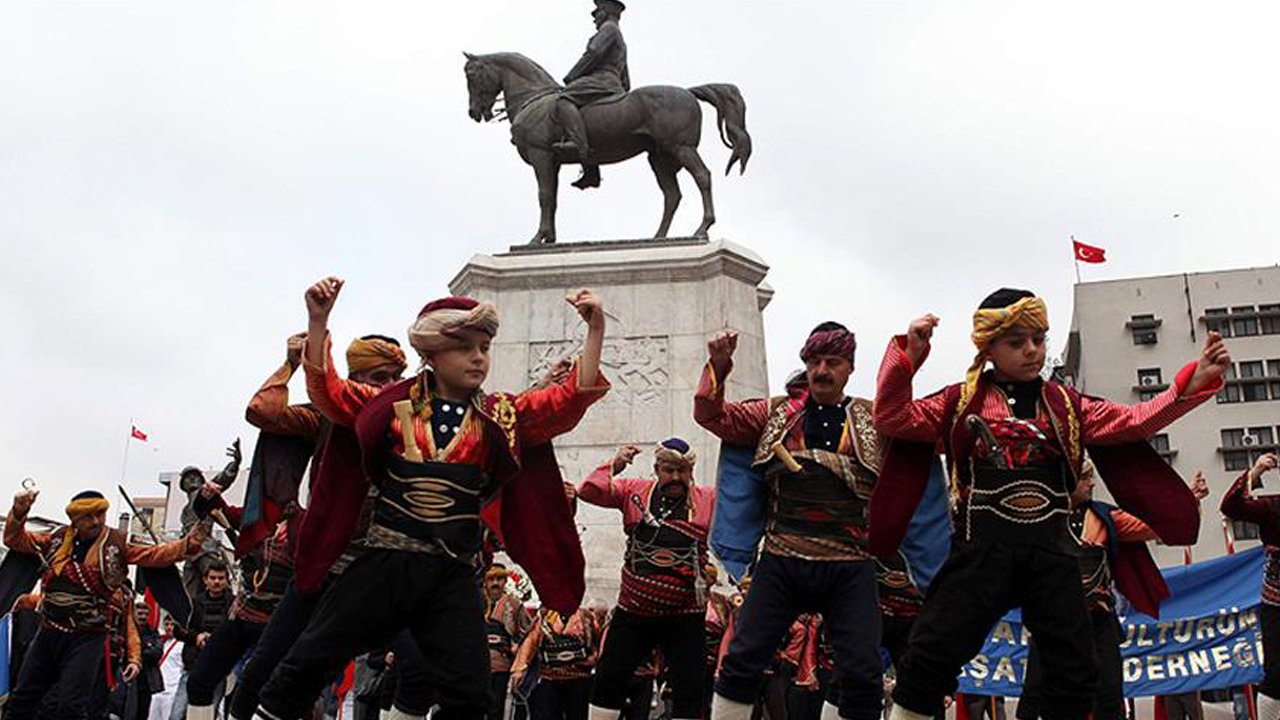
1244,530
1261,436
1233,437
1231,392
1235,460
1247,325
1143,328
1269,319
1251,369
1149,376
1215,319
1161,445
1253,391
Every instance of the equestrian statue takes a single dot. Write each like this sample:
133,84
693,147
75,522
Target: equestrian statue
596,119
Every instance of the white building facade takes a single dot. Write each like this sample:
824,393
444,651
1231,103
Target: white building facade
1130,337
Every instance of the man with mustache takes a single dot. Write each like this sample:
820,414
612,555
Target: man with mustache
662,601
819,455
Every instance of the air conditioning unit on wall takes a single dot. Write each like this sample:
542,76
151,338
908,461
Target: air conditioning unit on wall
1249,440
1149,380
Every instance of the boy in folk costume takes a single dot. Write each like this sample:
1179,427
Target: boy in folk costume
83,586
662,601
438,449
1015,445
819,454
1240,504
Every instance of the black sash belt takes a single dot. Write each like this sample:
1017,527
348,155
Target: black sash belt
1018,505
432,501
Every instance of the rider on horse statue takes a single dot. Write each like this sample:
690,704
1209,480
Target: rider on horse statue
600,74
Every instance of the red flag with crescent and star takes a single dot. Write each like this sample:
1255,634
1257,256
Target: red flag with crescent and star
137,434
1088,253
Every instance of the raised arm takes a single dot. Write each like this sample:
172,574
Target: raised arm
591,309
897,413
1238,504
737,423
602,488
167,554
16,535
1109,423
269,409
338,399
227,476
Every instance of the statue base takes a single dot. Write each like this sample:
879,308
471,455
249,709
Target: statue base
668,297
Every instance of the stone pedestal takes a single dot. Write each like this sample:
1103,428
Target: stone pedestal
668,297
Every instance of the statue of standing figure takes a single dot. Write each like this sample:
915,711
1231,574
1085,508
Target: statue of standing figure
596,119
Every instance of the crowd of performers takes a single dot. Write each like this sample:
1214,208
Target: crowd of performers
416,482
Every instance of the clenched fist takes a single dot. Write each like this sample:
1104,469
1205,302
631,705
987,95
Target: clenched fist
721,346
919,334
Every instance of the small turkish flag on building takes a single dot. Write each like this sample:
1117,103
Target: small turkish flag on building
1088,253
137,434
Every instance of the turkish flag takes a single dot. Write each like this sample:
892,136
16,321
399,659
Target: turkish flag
1088,253
137,434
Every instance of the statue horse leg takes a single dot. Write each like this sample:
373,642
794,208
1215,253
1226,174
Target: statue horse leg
689,159
665,168
547,169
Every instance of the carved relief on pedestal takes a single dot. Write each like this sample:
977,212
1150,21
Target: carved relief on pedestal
638,367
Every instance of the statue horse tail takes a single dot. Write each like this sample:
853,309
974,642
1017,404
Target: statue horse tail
731,118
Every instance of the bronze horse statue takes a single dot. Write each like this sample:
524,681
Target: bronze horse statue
664,121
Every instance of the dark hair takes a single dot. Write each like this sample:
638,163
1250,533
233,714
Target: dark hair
828,326
383,338
1004,297
218,566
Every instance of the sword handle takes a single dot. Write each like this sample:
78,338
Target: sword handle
404,413
979,427
786,457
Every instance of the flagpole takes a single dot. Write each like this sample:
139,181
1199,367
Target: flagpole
1076,258
127,441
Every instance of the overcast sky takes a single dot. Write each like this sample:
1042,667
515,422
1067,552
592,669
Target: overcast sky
173,175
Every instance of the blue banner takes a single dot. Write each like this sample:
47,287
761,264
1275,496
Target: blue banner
1208,636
